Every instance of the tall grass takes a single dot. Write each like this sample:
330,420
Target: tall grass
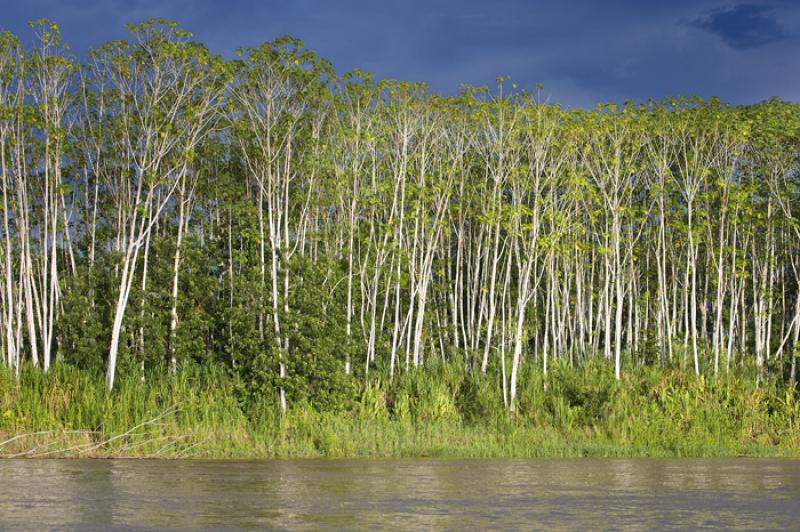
443,411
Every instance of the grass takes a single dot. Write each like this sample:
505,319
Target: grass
439,412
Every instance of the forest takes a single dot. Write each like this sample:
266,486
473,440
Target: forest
260,256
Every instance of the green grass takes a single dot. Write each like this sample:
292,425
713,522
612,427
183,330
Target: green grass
439,412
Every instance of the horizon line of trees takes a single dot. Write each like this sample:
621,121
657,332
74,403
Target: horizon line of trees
161,205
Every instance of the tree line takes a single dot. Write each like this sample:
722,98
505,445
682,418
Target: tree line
162,206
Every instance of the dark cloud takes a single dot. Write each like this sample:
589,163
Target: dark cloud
743,26
583,51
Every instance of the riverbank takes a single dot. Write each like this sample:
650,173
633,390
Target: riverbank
441,413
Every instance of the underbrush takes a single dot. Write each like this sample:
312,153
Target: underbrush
440,412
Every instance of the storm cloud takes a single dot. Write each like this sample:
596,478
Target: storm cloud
583,51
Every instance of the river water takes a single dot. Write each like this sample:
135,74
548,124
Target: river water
580,494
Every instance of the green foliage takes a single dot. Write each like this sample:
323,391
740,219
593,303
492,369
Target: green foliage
83,327
318,346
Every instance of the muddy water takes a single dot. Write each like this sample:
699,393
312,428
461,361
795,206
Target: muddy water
580,494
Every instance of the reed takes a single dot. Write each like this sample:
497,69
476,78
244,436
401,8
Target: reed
442,412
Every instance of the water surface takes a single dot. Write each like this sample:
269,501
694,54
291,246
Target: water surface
638,494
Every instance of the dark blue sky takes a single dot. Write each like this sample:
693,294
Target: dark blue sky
583,51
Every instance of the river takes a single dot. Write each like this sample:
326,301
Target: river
580,494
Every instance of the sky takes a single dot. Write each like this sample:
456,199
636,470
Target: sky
582,51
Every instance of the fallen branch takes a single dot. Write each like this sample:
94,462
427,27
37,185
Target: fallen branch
162,415
84,448
41,433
